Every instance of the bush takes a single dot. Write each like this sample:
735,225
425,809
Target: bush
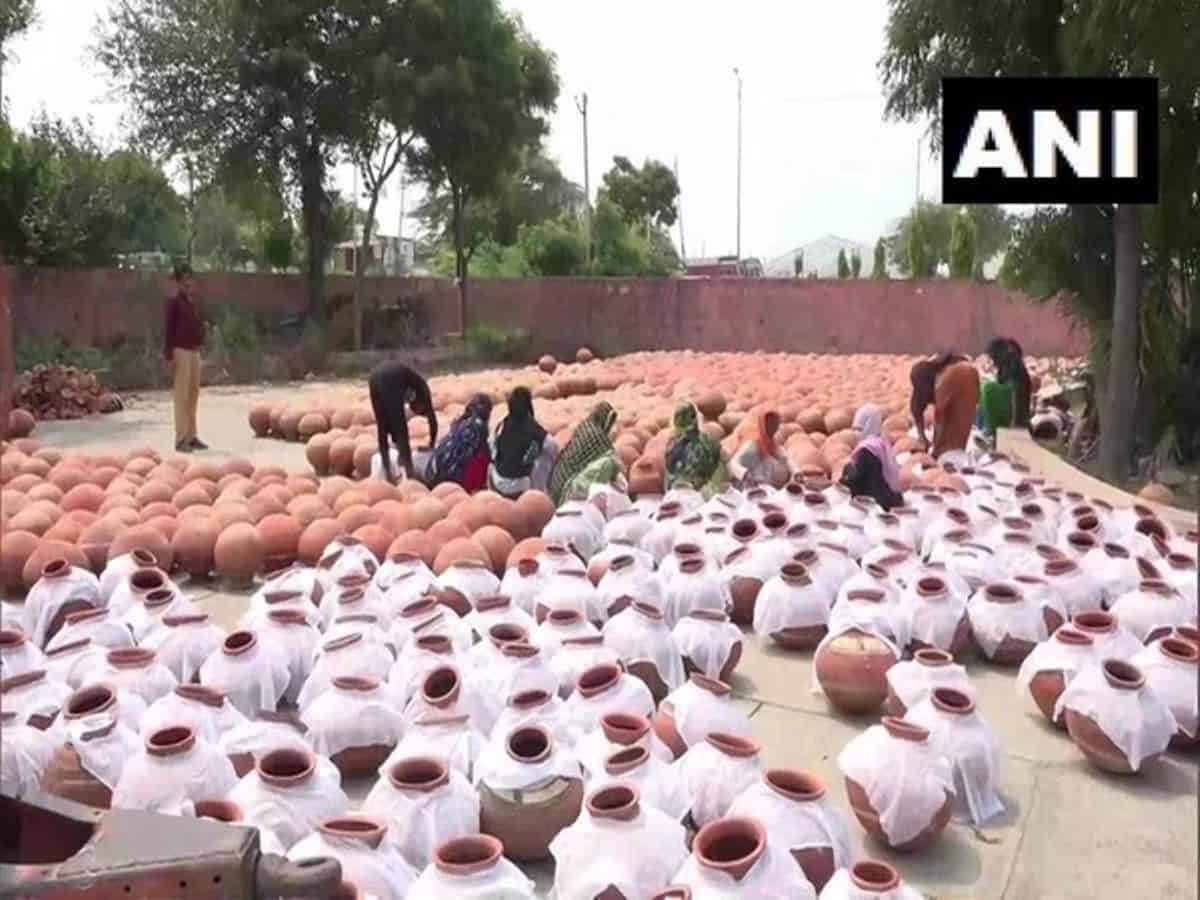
493,344
237,345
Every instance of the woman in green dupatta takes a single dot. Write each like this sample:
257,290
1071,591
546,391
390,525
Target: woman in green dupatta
588,445
693,457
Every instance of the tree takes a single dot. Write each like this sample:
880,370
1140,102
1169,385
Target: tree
618,252
993,229
277,85
879,268
646,195
1104,277
920,259
479,102
962,246
16,16
798,264
843,267
855,264
555,247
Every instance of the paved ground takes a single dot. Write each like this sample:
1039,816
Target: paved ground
1068,832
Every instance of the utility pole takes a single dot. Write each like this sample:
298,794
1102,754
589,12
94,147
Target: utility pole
581,104
400,226
679,210
738,75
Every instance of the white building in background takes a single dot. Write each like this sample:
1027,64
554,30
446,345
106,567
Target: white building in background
386,255
820,256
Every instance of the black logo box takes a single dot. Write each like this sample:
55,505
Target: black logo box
1017,98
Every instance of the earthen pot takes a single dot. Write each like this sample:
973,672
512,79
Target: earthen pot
744,591
866,813
1047,686
799,787
357,761
238,553
664,719
735,652
796,576
852,671
1013,650
933,589
1091,740
65,776
731,846
929,657
526,821
468,857
874,878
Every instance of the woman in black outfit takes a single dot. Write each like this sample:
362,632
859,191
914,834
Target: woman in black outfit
872,470
392,385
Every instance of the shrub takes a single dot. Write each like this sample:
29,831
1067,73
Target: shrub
493,344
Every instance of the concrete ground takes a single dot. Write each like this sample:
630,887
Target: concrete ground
1068,831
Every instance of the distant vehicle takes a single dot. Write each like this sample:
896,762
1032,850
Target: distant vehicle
725,267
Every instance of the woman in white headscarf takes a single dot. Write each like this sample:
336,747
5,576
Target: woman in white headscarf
872,470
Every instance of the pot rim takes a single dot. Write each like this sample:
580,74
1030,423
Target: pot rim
717,830
536,735
952,701
871,875
463,857
734,745
798,785
904,730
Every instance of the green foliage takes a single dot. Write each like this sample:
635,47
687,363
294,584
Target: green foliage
493,344
798,264
879,268
920,258
962,246
556,247
855,264
15,17
992,226
843,267
618,252
649,194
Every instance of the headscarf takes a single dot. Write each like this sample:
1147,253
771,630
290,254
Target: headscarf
468,435
763,439
589,442
519,437
692,455
868,422
601,470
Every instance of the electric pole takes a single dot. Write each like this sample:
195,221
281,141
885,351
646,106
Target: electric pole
581,104
400,226
679,211
738,75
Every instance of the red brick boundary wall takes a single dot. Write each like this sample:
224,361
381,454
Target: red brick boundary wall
612,315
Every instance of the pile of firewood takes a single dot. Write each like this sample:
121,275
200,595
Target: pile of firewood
63,392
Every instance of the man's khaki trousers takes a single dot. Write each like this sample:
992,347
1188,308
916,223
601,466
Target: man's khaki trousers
187,393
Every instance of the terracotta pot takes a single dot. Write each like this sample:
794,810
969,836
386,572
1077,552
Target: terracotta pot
1013,650
365,759
932,589
664,719
852,671
745,594
929,657
868,817
238,552
280,537
735,653
874,877
796,576
730,846
146,538
800,787
1047,686
526,821
468,857
538,510
65,776
625,729
1091,740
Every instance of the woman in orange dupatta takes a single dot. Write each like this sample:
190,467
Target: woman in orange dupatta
759,460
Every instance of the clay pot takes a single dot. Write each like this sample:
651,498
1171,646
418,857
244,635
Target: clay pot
238,552
735,653
730,846
15,550
315,538
866,813
548,364
65,776
457,551
1091,740
49,551
497,543
260,420
664,719
146,538
280,538
194,545
527,550
852,671
874,877
1013,650
646,477
796,577
526,821
468,857
932,589
354,762
817,863
1046,687
929,657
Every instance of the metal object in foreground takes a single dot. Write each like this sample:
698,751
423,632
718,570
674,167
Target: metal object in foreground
54,848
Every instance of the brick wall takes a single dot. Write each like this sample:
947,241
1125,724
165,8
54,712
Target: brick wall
611,315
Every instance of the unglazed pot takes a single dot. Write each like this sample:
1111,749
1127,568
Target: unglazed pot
1091,739
731,846
527,820
852,671
1047,686
65,776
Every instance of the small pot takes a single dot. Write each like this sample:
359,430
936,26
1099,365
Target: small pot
1047,686
1091,739
852,671
795,575
874,877
795,786
468,857
731,846
928,657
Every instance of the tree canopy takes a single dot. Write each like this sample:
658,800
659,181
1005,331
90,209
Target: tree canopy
645,194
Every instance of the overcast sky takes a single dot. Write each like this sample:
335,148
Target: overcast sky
818,157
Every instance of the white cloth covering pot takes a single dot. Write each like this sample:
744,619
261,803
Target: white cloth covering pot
258,737
911,680
496,610
906,781
797,814
250,672
400,586
18,654
605,689
620,842
575,656
958,731
574,528
174,770
571,590
842,887
426,803
716,771
133,588
515,668
147,618
354,596
447,690
27,754
289,793
773,876
354,712
535,706
297,639
791,599
371,859
470,873
1171,672
117,570
347,655
452,739
696,586
1002,610
1066,651
1074,585
1151,605
709,640
524,583
134,670
60,584
292,590
420,658
931,613
626,582
702,706
105,746
100,626
428,618
658,780
344,556
184,643
562,625
626,527
640,634
207,712
1138,722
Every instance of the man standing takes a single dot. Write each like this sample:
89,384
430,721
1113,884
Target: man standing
183,336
